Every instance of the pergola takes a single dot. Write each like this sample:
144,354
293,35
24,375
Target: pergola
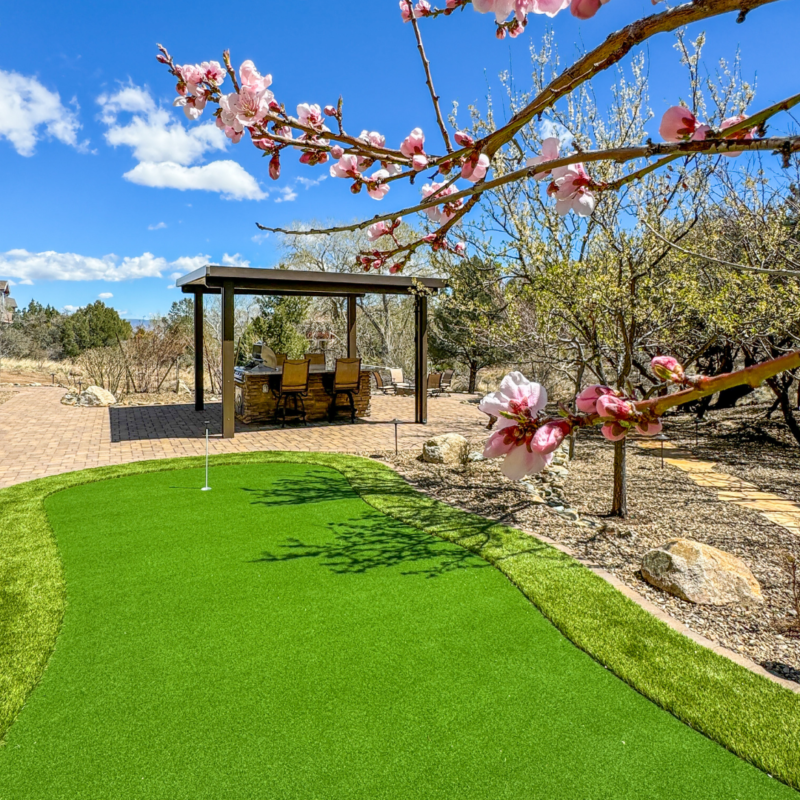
230,281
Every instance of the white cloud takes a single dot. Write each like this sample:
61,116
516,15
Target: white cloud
31,111
172,286
234,261
308,182
157,227
168,153
71,309
260,237
105,295
28,267
226,177
287,195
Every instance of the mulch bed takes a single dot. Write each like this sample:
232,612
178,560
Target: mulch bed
663,503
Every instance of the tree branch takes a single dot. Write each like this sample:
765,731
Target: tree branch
429,81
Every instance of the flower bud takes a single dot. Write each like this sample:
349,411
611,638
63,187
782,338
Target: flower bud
275,167
667,368
329,111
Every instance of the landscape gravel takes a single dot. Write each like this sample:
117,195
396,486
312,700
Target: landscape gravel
663,504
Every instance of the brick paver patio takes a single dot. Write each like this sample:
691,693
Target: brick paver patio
39,436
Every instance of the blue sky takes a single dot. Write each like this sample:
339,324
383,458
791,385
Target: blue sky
74,228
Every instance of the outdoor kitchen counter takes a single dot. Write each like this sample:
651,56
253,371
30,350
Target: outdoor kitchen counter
256,394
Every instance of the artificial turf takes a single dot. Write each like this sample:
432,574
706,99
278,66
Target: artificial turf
278,637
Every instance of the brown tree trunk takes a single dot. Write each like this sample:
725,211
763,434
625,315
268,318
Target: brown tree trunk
619,505
473,377
781,391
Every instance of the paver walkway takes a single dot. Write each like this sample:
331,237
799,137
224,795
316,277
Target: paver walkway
39,436
776,509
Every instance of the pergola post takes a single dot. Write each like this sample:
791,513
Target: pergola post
228,418
199,388
351,326
421,359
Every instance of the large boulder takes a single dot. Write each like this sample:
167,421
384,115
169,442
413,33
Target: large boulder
96,396
700,574
449,448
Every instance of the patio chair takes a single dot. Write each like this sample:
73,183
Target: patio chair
447,380
279,359
397,379
316,358
294,386
346,380
434,386
380,385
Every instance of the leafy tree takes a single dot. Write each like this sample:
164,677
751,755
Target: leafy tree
95,325
36,332
470,322
279,325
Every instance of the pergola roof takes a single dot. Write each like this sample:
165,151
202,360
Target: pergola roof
248,280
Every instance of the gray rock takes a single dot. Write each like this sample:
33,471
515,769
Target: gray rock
96,396
475,456
555,469
69,399
449,448
700,574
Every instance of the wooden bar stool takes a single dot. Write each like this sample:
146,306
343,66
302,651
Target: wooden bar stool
316,358
294,385
346,380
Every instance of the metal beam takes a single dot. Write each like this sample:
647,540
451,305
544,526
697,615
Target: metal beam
352,350
228,411
199,388
421,359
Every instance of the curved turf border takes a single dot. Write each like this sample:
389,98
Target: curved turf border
748,714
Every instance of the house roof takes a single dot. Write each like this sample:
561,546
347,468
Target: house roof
249,280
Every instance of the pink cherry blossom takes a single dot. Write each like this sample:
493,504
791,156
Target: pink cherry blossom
213,71
649,427
519,461
421,9
667,368
612,407
515,395
395,268
586,401
585,9
550,148
310,115
570,188
337,151
375,189
345,167
373,138
275,167
377,230
405,10
245,109
613,431
330,111
419,162
549,437
743,135
460,249
443,213
413,144
250,78
678,124
502,9
475,167
463,138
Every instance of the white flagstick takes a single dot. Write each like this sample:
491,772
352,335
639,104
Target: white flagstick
206,488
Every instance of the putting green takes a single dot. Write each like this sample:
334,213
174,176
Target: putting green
279,638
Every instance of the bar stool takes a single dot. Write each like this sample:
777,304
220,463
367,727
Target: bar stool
279,359
294,385
346,380
316,358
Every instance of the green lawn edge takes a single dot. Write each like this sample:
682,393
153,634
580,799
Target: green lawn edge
753,717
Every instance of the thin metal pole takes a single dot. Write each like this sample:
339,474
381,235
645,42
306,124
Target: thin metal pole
395,435
206,488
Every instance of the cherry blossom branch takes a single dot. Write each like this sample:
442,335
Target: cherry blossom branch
782,145
752,376
722,262
753,121
429,80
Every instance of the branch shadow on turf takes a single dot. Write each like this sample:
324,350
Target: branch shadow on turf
361,545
